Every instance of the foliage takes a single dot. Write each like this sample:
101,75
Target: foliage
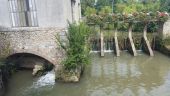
165,5
89,11
94,19
85,4
166,41
128,7
130,18
101,3
105,10
134,6
76,48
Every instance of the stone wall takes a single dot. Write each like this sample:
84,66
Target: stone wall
40,42
1,84
165,29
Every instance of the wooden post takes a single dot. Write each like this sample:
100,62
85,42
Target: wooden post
130,41
117,50
147,48
101,42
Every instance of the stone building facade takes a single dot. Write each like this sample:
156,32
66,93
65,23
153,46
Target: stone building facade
38,13
30,26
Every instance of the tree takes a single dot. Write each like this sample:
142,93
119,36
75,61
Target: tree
165,5
89,11
106,10
102,3
85,4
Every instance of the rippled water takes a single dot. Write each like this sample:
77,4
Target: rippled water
105,76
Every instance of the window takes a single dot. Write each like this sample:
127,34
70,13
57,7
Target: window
23,13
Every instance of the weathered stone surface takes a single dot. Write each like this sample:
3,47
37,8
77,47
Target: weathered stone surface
37,41
166,29
69,76
37,68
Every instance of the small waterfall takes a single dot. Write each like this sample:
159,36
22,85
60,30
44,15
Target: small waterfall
46,80
41,84
108,45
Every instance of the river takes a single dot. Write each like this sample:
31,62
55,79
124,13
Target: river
105,76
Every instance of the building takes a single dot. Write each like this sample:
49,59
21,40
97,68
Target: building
30,26
38,13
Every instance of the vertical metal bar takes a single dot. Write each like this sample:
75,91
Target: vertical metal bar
35,14
32,13
11,10
20,15
27,5
15,13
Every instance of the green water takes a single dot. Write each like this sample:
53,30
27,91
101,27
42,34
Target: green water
105,76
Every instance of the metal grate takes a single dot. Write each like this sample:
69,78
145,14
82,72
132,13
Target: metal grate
23,13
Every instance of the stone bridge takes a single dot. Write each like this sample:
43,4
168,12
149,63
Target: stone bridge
37,41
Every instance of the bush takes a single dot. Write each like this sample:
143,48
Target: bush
76,47
90,11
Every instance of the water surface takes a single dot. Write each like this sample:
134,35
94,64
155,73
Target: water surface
105,76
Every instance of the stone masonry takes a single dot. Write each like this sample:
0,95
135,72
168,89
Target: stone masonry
37,41
166,29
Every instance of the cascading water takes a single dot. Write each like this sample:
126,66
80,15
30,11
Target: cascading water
108,45
48,79
41,84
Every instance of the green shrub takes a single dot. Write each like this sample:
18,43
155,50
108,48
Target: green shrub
90,11
76,48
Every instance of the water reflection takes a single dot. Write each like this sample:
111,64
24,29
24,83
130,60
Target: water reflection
106,76
130,76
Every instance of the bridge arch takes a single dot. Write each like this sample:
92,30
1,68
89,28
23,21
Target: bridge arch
28,60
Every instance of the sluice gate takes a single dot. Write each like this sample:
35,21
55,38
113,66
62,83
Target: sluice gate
115,45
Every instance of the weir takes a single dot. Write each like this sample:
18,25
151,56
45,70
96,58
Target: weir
112,44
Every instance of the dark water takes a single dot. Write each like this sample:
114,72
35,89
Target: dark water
105,76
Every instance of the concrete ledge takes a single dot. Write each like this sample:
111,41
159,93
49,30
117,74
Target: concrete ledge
30,29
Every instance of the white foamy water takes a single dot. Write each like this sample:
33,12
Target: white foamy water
48,79
43,83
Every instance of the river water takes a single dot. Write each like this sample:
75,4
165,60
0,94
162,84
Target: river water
105,76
